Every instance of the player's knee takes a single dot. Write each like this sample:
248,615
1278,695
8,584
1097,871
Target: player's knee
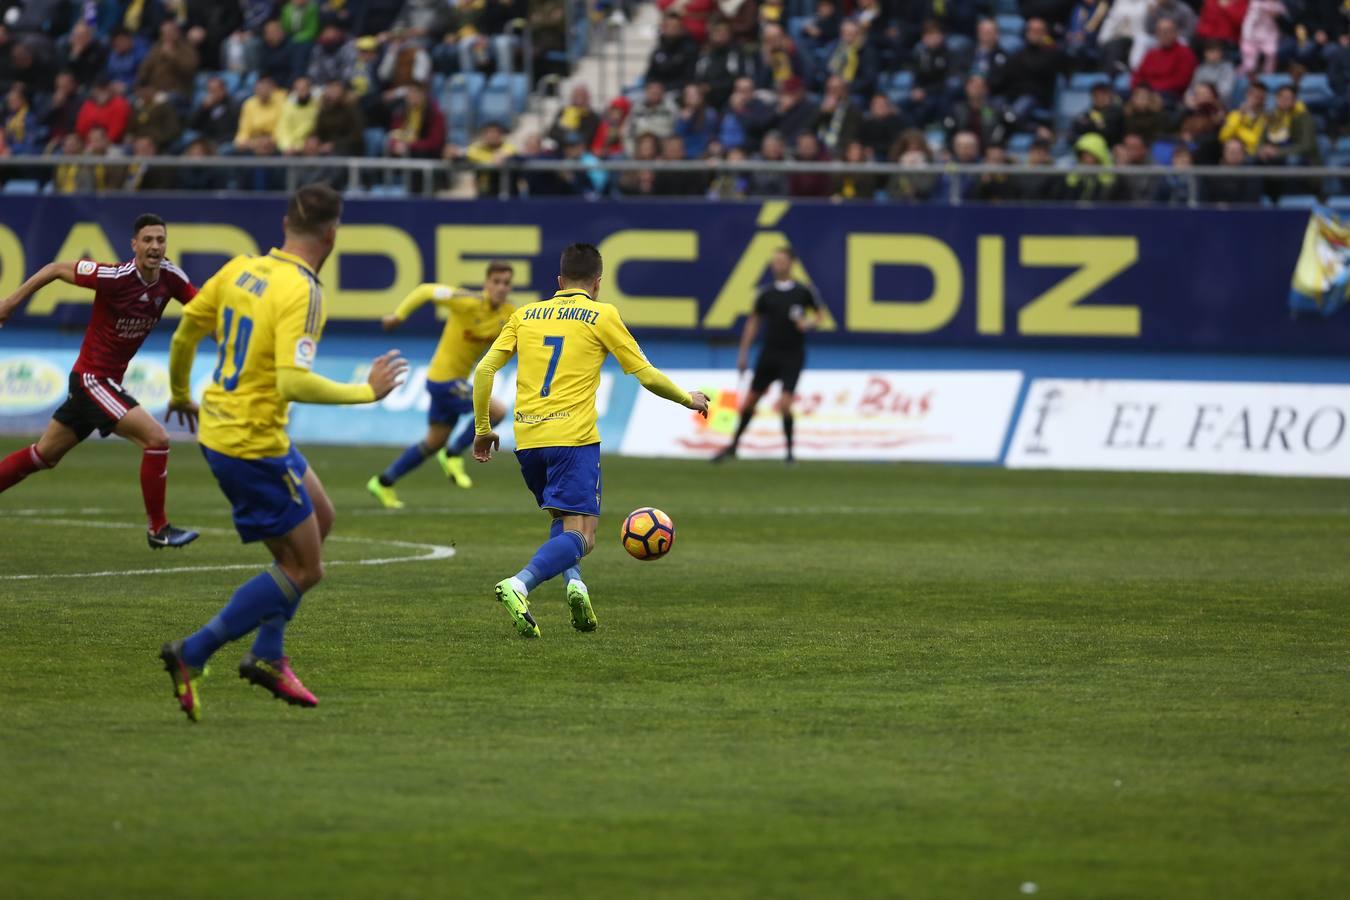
587,542
310,575
157,439
785,404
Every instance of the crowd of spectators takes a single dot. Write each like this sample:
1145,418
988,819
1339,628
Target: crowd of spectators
912,82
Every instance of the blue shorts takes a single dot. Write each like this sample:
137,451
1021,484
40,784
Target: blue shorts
563,478
268,494
449,401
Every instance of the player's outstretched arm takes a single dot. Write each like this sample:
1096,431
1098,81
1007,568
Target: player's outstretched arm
386,373
748,335
56,271
656,381
440,294
182,353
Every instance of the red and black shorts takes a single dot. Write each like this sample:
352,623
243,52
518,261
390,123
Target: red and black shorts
94,402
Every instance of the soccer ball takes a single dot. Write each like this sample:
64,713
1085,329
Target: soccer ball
647,534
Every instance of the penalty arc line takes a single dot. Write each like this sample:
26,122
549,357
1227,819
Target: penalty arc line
429,553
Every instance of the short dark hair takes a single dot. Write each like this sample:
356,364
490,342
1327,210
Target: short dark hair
145,220
313,209
580,262
791,254
499,265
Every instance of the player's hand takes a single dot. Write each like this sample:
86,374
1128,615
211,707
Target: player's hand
390,322
186,411
698,402
386,373
6,310
484,445
741,366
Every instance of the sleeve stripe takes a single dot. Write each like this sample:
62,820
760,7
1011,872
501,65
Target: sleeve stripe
315,311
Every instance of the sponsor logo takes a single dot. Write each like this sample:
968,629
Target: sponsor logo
29,384
1185,426
147,381
86,267
305,350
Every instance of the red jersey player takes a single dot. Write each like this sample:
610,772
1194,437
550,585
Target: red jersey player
128,300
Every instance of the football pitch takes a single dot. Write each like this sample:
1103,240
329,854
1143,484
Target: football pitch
845,681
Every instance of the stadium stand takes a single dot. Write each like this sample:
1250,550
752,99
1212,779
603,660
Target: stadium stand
425,78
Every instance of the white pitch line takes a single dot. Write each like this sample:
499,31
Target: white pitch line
900,509
429,552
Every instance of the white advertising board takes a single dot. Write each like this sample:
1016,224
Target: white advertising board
840,414
1184,426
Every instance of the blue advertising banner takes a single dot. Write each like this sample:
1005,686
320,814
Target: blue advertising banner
1107,278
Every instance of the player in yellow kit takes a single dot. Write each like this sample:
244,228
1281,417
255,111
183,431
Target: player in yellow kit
475,319
562,344
266,314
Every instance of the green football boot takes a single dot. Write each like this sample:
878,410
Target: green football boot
516,605
387,496
453,468
583,617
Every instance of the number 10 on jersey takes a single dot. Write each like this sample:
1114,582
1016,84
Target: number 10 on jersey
237,341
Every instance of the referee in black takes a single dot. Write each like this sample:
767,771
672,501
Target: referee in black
784,311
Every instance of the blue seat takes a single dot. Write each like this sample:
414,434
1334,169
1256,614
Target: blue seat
459,98
22,186
1011,43
1072,103
495,106
1006,7
1340,203
1343,144
1314,89
232,80
900,80
796,27
513,86
397,189
1020,143
374,141
1239,91
1082,81
1298,201
1010,25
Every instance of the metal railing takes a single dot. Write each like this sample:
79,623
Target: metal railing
431,175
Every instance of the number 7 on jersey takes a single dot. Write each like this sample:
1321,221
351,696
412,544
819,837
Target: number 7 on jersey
557,344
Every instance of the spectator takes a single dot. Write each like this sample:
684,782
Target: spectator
880,127
1216,70
838,121
1091,187
200,178
1032,74
104,177
6,63
103,109
646,148
1232,188
779,61
491,148
1123,34
577,117
767,183
419,127
978,115
965,152
332,56
298,118
1080,36
339,127
405,63
674,56
153,117
71,178
124,58
1221,21
731,184
1178,189
216,118
575,182
241,52
1201,138
822,30
1104,117
988,59
362,77
30,68
932,69
653,115
695,123
1338,79
1038,187
258,119
722,64
608,140
795,112
911,151
22,133
1290,137
1134,151
1247,123
83,54
855,185
171,64
1203,101
747,117
300,19
1168,67
1144,114
274,56
141,176
1261,36
852,59
693,16
1181,15
809,184
61,110
683,183
995,187
209,23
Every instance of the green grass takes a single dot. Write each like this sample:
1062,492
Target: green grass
846,681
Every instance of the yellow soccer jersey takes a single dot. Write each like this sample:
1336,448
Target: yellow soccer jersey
561,344
472,326
266,312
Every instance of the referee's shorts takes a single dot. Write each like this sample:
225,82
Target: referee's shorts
781,367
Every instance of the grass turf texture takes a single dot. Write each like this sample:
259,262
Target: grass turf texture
846,680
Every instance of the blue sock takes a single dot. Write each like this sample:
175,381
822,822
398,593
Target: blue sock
259,598
408,460
555,556
269,643
555,528
461,440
